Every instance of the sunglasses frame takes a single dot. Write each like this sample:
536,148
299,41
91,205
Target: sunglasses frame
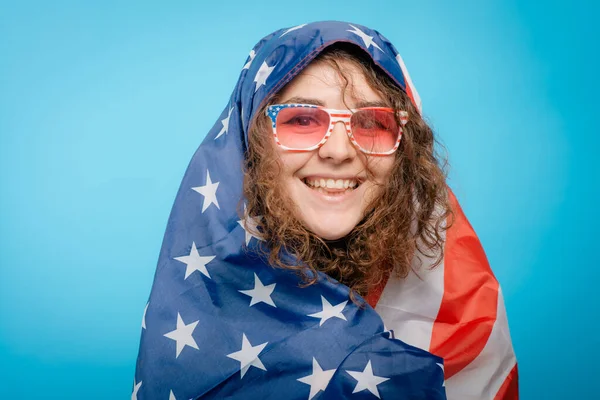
335,116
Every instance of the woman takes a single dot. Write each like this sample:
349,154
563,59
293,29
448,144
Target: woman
346,225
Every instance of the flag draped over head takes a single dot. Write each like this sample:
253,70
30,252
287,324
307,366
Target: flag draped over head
220,322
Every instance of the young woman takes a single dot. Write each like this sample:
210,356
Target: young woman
351,272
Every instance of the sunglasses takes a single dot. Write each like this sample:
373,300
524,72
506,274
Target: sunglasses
306,127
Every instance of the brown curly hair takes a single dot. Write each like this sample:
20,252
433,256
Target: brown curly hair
407,216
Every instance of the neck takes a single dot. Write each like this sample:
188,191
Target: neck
341,243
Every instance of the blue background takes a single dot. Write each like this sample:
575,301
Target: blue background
103,104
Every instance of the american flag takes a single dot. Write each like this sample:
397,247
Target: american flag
221,323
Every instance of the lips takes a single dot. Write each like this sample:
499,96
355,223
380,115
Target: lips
329,183
332,188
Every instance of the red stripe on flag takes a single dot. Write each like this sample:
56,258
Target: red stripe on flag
469,304
409,92
510,388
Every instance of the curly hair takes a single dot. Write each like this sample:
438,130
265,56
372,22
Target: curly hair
406,217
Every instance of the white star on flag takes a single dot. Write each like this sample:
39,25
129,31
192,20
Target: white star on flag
195,262
366,380
252,223
209,191
225,123
136,388
183,335
318,380
263,73
330,311
442,367
171,395
260,293
248,355
144,316
293,29
368,40
252,55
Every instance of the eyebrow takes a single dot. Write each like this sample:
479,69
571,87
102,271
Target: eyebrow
317,102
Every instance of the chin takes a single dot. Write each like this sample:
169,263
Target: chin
330,232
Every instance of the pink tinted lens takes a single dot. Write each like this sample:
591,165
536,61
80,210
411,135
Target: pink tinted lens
301,127
375,130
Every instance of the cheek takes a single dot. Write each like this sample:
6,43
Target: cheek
382,167
292,162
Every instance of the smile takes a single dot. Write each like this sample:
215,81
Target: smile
332,187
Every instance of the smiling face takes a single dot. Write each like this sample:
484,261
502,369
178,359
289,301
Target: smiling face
329,185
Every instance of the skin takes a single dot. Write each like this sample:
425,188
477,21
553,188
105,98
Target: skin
332,215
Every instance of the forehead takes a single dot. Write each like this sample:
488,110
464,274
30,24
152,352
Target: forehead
330,85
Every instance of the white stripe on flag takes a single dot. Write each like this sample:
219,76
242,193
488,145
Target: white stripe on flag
409,82
410,306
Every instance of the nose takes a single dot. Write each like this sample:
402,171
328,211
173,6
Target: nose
338,146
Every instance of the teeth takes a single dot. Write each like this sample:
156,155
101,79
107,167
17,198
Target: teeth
321,183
